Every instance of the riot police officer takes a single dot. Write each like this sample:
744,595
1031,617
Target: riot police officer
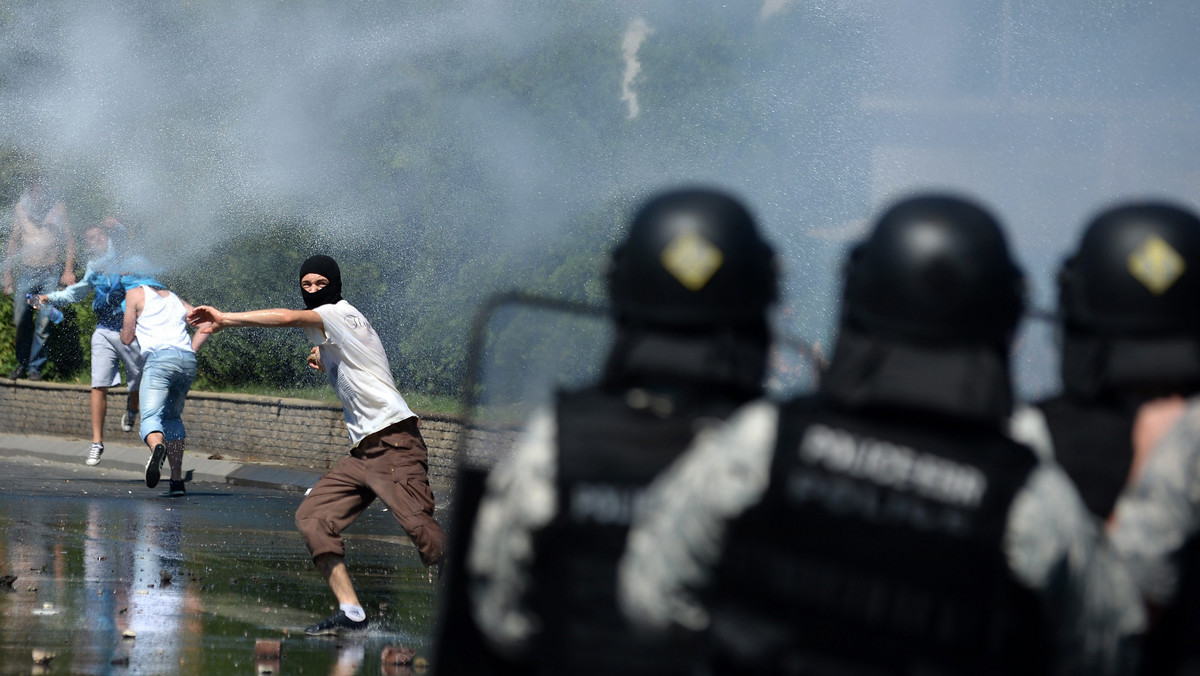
888,524
1147,347
1130,330
690,289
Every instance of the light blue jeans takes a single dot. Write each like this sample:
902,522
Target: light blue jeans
167,376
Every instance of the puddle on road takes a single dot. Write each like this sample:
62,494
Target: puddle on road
125,587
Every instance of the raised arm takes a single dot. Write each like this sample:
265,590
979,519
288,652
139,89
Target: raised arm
273,318
72,294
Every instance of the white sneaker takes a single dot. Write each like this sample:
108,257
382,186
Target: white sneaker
94,453
127,420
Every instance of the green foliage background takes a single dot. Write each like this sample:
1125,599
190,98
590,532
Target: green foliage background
422,313
448,225
69,346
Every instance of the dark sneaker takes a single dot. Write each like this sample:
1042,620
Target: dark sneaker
95,452
16,373
154,465
177,490
335,624
127,420
34,376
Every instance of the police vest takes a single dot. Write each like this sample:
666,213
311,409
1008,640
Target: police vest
877,549
608,453
1094,446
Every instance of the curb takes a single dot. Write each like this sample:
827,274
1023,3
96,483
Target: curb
125,456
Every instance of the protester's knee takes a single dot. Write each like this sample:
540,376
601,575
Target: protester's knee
430,540
319,535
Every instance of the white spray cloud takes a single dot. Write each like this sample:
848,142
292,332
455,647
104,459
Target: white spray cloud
635,35
771,7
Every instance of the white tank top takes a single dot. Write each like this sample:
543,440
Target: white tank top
163,323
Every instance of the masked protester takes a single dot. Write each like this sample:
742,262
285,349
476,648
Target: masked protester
1130,334
690,287
388,459
887,524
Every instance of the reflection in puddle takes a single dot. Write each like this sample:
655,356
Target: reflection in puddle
150,586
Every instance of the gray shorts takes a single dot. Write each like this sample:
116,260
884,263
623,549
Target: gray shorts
107,352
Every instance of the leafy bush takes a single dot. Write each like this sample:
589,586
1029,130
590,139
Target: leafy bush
69,346
8,336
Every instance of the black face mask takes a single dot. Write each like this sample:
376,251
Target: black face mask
327,268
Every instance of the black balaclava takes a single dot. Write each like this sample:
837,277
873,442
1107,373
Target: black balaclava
327,268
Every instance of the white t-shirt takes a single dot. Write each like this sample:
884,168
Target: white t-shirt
358,370
163,323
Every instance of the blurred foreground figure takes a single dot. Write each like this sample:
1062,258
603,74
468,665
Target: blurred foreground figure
1150,301
1157,532
1129,302
690,289
887,524
388,459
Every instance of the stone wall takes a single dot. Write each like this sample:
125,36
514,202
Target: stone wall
298,433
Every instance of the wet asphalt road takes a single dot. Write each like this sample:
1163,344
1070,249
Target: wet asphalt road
197,580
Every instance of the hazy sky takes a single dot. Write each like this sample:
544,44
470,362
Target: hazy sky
818,113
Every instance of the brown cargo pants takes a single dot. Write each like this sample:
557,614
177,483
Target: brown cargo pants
392,465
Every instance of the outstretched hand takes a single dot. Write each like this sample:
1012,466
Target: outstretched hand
209,319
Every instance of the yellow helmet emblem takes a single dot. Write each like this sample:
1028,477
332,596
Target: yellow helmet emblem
1156,265
692,259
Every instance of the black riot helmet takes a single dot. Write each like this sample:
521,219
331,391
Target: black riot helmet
692,258
1137,272
936,270
1128,303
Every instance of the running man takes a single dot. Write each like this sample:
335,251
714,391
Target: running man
156,319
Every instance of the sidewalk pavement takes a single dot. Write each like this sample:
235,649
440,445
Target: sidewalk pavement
133,457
